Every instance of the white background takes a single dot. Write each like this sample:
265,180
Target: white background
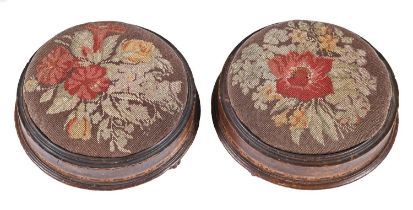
205,32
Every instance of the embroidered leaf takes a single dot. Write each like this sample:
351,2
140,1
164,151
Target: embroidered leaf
275,36
111,70
95,57
315,125
82,40
163,64
281,49
176,87
61,42
63,103
129,128
46,96
108,45
338,32
134,113
251,68
111,146
296,134
361,105
328,124
265,93
126,96
119,53
347,40
259,104
103,130
96,118
91,107
303,26
108,108
161,94
284,103
122,140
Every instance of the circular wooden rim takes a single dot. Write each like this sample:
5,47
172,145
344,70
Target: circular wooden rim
345,166
304,181
306,159
87,183
103,162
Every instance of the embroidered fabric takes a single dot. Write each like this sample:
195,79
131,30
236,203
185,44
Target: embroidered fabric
106,89
309,87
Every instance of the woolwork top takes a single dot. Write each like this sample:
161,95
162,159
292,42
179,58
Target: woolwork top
309,87
106,89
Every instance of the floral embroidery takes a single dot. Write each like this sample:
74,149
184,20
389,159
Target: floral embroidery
106,86
87,82
309,77
302,76
54,67
79,127
137,51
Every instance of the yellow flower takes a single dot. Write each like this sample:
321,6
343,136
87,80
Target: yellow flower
328,42
280,119
30,85
299,119
298,36
271,94
79,127
137,51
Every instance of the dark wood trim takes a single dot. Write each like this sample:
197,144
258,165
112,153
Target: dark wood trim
148,169
282,172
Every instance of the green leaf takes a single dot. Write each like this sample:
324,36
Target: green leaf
80,40
296,134
284,103
103,130
122,140
46,96
111,70
63,103
109,109
134,113
163,64
126,96
111,146
328,124
91,107
96,118
176,87
108,45
315,125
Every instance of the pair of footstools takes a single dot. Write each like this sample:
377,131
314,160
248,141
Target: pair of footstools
108,105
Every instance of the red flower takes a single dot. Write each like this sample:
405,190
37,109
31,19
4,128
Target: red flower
54,67
303,76
100,31
87,82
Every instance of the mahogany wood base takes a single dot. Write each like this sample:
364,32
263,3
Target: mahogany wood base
110,178
282,172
